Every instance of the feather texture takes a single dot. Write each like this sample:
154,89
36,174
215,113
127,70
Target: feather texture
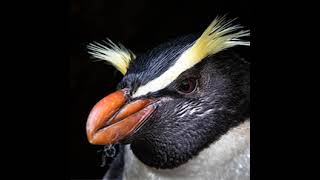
220,35
116,55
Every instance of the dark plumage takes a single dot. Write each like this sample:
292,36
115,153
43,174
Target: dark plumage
199,106
223,82
153,63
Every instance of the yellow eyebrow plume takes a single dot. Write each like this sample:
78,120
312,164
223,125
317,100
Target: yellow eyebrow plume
117,55
220,35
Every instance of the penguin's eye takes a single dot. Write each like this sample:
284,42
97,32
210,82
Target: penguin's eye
187,85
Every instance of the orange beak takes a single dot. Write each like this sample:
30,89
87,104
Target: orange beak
112,120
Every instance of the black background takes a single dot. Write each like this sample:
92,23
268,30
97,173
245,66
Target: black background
139,25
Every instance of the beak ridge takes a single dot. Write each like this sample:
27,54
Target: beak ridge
112,120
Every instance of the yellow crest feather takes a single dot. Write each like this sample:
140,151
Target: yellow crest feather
220,35
117,55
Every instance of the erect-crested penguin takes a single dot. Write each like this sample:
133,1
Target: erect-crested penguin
181,111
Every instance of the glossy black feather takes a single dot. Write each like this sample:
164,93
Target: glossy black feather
153,63
180,128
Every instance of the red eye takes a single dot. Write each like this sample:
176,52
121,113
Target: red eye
187,85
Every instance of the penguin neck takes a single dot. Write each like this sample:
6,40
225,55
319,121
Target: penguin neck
226,158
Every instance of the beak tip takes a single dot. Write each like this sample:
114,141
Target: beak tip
92,141
98,129
89,138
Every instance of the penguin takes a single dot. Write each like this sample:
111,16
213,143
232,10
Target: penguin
182,109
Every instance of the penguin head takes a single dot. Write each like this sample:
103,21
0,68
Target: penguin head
176,99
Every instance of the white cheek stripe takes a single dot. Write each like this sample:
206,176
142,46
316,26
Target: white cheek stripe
181,65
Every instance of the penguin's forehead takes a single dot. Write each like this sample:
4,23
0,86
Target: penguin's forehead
152,64
161,66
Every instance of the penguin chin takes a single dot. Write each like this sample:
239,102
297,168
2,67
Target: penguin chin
158,158
132,136
169,152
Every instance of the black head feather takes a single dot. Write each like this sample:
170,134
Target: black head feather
184,124
153,63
